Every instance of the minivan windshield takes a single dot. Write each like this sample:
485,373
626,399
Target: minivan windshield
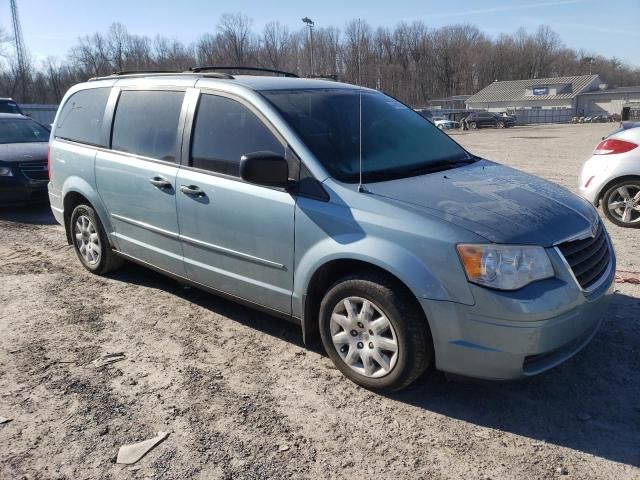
19,130
397,142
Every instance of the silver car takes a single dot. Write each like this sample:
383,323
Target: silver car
444,123
337,208
611,176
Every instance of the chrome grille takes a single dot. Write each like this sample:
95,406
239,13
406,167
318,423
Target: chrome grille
588,257
36,170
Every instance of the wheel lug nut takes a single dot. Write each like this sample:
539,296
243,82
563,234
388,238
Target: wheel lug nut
343,349
354,333
360,325
370,344
360,345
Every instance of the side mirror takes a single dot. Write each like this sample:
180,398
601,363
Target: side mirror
265,168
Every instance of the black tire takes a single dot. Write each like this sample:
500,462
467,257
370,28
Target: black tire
107,260
612,195
412,334
473,125
500,125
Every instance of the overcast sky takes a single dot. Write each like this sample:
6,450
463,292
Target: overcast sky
607,27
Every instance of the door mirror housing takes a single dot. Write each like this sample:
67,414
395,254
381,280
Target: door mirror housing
265,168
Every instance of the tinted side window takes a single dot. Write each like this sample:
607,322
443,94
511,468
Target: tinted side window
146,123
224,130
81,116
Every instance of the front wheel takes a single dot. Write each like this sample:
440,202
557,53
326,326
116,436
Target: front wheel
90,241
621,203
500,124
374,333
473,125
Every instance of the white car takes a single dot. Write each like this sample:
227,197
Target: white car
444,123
612,176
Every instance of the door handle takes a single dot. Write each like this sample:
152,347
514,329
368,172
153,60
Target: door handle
192,190
160,182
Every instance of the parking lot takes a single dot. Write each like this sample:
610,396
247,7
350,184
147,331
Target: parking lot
243,398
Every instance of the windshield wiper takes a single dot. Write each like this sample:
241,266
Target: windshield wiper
437,167
393,174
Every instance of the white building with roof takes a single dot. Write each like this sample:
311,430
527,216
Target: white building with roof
608,100
537,93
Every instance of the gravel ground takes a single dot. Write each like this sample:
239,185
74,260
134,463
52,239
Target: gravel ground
242,397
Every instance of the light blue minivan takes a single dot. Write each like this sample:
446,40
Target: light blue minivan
335,207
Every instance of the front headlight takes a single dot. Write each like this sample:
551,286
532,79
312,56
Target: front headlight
505,267
6,172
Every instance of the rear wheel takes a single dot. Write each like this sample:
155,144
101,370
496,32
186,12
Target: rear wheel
621,203
90,241
473,125
374,333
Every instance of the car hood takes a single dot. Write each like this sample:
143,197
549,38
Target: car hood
499,203
23,152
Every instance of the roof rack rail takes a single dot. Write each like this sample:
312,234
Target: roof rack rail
328,76
161,73
135,72
198,69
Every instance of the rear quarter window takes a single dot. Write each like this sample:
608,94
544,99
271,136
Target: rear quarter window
80,118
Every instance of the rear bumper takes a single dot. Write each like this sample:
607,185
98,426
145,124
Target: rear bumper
56,202
496,344
593,177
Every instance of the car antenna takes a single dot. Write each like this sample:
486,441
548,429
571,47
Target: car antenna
361,186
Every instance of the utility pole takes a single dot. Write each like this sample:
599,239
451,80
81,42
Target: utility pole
590,61
310,24
19,44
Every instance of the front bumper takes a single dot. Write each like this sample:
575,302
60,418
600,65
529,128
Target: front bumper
23,193
510,335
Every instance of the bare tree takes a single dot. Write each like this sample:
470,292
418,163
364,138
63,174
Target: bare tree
411,61
236,38
276,44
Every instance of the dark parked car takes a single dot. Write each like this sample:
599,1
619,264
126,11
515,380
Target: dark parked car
425,114
488,119
24,170
8,105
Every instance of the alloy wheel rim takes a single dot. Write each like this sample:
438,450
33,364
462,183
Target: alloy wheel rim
624,204
87,240
364,337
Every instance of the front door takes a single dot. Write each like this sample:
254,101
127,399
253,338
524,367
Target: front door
137,178
237,238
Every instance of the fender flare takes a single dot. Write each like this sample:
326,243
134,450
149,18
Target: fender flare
383,254
78,185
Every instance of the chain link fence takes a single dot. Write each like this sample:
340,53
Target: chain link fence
41,113
532,116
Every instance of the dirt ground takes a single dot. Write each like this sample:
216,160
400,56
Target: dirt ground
243,398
